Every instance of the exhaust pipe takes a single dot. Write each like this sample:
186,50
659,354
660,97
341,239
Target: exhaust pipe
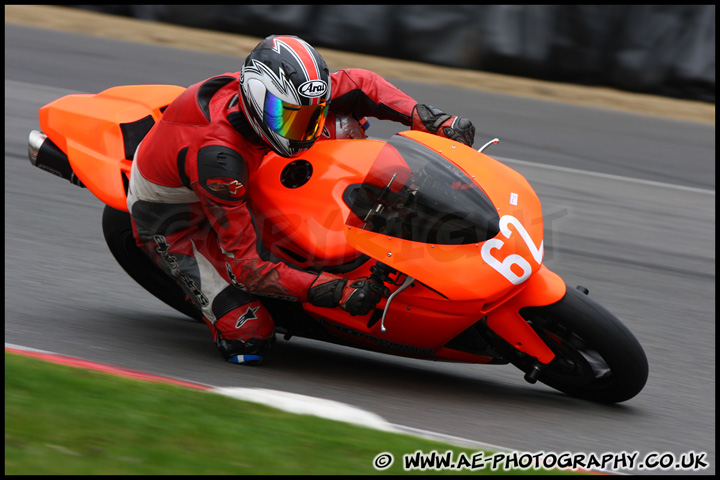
45,155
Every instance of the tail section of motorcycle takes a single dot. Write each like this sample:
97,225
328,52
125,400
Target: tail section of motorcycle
91,139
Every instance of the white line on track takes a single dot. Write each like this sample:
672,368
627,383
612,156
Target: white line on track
605,175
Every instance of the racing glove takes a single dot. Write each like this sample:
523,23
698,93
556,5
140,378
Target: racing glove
427,118
357,297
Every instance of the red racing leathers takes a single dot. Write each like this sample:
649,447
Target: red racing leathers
188,202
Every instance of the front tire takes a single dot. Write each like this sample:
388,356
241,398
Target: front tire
596,357
117,229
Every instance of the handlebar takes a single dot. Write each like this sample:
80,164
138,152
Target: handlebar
381,272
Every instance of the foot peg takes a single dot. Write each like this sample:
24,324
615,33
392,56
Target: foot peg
533,374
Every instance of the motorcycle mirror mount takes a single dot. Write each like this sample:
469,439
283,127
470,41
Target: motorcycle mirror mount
494,141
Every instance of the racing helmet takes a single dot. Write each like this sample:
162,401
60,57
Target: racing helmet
285,91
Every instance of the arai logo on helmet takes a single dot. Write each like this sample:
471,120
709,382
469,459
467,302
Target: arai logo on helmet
313,88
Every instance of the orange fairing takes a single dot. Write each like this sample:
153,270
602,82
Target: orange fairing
481,269
543,288
306,216
88,129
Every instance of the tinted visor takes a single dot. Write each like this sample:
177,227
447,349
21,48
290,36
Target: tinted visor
294,122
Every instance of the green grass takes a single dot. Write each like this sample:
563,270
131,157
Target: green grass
62,420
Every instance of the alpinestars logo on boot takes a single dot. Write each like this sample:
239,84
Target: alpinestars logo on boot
248,315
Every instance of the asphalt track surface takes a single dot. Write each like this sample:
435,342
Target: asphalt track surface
629,206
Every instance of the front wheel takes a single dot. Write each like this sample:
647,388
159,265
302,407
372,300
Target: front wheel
117,229
596,357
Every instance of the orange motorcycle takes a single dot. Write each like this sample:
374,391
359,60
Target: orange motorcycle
456,236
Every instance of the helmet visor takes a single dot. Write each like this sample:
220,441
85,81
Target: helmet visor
294,122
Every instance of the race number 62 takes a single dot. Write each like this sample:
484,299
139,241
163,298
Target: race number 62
504,267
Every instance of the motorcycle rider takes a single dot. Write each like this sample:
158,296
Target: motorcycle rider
188,185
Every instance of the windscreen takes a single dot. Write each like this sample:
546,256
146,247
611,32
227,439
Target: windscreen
414,193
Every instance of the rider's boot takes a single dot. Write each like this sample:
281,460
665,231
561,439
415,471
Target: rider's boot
245,334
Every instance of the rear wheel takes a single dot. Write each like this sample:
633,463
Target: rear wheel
596,357
117,228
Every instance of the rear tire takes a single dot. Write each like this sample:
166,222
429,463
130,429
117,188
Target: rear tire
117,228
596,357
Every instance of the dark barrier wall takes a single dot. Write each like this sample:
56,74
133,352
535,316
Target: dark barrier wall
658,49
